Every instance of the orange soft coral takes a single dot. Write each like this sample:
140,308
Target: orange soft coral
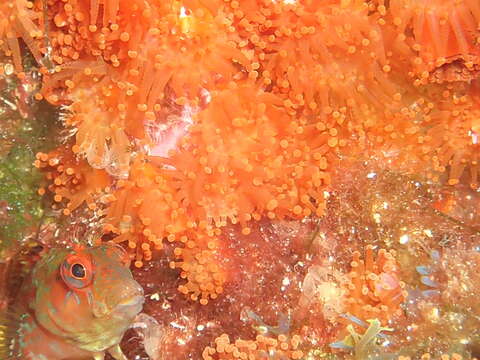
142,211
20,19
444,35
342,65
200,266
262,348
331,66
306,53
371,290
439,136
103,142
273,93
71,181
107,74
374,289
454,137
89,29
127,36
244,159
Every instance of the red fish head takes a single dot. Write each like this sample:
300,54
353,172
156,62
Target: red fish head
86,295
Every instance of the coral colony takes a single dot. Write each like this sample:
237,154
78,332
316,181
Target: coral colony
292,179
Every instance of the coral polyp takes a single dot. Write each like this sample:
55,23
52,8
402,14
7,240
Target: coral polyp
444,37
262,348
20,21
272,166
200,266
69,184
139,210
374,288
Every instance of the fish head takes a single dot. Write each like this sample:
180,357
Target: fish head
86,295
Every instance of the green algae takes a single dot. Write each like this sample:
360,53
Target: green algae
26,127
19,201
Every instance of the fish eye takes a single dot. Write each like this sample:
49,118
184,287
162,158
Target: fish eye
78,271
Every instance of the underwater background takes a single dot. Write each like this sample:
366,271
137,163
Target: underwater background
288,179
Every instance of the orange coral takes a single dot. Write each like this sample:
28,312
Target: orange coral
300,50
142,211
119,37
246,159
20,19
103,143
199,262
71,181
330,68
87,29
444,35
454,136
342,65
371,290
262,348
374,290
127,91
444,143
274,91
328,63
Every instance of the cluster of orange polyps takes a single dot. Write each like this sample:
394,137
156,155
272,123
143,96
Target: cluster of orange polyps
71,181
262,347
371,289
374,288
274,91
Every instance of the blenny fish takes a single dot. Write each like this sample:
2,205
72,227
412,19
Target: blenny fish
76,304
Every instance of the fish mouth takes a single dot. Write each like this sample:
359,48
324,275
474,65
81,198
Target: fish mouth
131,305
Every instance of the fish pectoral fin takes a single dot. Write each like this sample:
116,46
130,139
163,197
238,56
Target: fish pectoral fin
117,353
99,356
